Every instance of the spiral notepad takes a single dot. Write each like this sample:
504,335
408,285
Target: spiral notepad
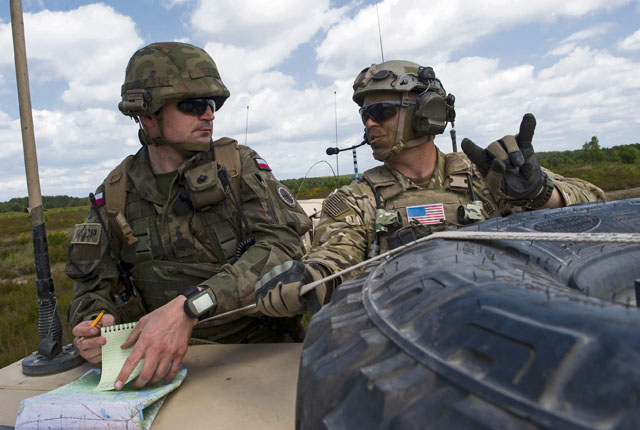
113,357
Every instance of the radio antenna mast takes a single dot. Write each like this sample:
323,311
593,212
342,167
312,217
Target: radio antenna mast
246,127
335,109
379,33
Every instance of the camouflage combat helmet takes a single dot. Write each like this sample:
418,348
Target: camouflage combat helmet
390,76
161,72
425,106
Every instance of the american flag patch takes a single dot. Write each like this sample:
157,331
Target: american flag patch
262,165
426,214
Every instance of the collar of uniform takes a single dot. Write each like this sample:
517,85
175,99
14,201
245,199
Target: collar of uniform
143,179
437,178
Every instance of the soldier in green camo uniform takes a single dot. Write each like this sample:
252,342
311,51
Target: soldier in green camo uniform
418,189
183,229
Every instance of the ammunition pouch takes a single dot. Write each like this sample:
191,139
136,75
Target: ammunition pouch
130,307
471,212
205,188
387,220
401,237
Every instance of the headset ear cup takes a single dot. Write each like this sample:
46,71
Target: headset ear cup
430,114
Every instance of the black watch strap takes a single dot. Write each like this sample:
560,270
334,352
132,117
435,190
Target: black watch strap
190,291
199,303
543,197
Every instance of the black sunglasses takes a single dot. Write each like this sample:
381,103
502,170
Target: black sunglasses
196,106
380,111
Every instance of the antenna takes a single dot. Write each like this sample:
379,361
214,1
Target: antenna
379,33
335,108
246,127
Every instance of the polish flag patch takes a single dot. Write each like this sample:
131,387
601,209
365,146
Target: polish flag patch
100,199
426,214
262,164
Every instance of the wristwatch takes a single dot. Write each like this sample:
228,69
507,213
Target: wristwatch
545,194
199,303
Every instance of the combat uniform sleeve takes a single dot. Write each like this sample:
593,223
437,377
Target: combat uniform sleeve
277,222
345,230
574,190
93,270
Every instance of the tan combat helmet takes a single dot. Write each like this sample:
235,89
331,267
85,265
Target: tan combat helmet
422,116
166,71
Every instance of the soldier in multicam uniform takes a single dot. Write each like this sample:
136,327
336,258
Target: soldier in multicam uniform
418,190
191,224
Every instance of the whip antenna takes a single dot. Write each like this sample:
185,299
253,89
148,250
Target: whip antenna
246,127
379,33
335,109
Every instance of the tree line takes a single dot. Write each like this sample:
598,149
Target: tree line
591,153
319,187
19,204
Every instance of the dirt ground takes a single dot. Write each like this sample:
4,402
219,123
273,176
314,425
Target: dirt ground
622,194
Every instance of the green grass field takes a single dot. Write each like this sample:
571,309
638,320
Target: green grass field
18,298
18,305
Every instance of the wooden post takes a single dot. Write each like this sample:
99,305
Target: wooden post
50,357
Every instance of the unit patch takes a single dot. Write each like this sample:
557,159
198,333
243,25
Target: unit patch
87,234
262,164
286,196
426,214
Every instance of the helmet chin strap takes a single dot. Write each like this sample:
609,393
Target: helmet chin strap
401,127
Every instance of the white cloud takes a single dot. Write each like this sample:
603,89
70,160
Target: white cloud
575,92
75,149
588,92
429,34
568,44
87,47
630,43
244,42
10,138
170,4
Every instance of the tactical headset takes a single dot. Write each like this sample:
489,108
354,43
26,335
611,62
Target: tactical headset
432,109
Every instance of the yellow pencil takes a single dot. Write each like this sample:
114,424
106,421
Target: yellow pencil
95,321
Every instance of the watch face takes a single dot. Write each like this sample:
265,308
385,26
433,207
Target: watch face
202,303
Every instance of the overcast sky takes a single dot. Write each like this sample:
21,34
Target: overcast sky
575,64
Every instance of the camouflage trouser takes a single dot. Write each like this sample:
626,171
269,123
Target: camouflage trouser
256,330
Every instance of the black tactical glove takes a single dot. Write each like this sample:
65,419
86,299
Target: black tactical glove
511,168
277,293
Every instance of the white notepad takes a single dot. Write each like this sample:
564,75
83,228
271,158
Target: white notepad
113,357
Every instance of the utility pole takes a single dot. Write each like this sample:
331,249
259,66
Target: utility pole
51,357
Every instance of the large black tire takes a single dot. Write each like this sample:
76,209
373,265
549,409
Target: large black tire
492,335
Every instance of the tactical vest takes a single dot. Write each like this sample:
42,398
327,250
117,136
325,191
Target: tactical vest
169,252
394,199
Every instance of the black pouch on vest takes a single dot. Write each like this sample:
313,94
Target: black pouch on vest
401,237
205,188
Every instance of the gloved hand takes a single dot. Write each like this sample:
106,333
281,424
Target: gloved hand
511,168
277,293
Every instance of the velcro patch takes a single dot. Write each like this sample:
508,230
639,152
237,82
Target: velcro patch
262,164
335,206
286,196
86,234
